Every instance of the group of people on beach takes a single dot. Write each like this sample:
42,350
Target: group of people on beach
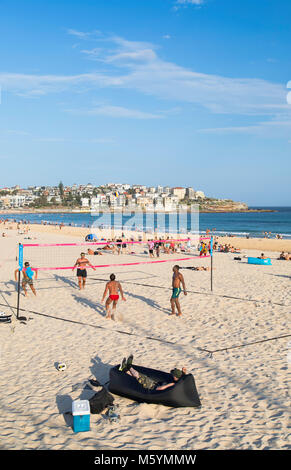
285,256
113,287
227,248
155,247
113,290
167,246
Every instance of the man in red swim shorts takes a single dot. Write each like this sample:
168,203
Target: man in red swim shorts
113,287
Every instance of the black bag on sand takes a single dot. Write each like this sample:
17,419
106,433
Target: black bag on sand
101,400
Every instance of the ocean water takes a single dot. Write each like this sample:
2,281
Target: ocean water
254,224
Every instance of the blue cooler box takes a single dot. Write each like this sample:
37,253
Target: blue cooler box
81,415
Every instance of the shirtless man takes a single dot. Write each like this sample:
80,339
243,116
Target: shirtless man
28,274
113,287
176,285
81,270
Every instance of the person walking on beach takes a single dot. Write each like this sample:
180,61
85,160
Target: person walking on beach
27,280
157,248
203,249
113,287
81,264
177,280
118,245
151,248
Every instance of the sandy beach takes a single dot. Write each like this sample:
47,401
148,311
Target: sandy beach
234,341
261,244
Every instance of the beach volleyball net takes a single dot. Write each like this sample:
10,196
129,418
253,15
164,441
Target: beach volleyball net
50,257
62,256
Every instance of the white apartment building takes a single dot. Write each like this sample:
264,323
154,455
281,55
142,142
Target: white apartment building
144,200
16,201
190,193
179,192
85,202
199,195
57,199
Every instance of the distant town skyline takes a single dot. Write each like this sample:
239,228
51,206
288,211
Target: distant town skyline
190,93
92,197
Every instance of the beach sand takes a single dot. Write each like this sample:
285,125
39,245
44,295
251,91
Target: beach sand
244,391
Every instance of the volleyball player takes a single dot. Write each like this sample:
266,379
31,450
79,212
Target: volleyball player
81,264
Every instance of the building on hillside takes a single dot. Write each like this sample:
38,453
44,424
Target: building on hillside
179,192
199,195
85,202
190,193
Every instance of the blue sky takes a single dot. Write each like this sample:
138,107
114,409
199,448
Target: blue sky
169,92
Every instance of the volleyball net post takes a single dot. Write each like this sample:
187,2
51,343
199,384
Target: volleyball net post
211,264
20,267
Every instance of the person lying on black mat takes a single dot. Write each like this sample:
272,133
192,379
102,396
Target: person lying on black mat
147,382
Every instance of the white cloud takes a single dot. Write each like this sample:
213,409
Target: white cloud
138,66
145,71
273,128
16,132
116,112
184,3
101,140
190,2
83,35
50,139
28,85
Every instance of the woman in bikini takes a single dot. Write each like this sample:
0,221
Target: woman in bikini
113,287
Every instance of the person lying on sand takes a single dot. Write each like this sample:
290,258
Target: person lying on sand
262,256
147,382
97,252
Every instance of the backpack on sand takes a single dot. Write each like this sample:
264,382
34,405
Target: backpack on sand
101,400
